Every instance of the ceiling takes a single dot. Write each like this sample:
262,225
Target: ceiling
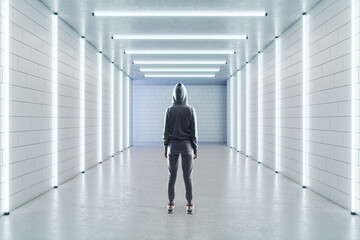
261,31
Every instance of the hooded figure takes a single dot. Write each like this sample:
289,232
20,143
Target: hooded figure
180,119
180,138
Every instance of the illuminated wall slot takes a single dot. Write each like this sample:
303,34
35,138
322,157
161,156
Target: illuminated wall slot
231,112
6,113
353,105
238,118
112,153
121,111
260,107
277,105
55,99
177,14
304,100
82,107
100,107
248,97
128,102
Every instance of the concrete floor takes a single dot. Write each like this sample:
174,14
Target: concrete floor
125,198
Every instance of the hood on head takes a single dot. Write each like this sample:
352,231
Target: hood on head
179,94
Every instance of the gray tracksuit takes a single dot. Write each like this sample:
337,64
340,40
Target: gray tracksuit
180,138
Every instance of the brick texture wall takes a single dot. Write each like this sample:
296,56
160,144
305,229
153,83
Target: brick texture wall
31,103
151,101
328,134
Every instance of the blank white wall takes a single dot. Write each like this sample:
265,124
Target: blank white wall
151,101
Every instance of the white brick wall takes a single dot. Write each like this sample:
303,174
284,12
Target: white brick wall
31,103
253,111
2,168
291,103
329,94
151,101
330,101
68,102
269,106
91,105
30,95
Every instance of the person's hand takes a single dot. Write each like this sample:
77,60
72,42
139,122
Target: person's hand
165,154
195,156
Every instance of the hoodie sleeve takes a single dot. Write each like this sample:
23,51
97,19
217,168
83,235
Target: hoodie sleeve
166,137
193,131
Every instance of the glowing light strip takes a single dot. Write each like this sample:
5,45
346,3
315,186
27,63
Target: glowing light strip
353,106
179,37
128,111
6,112
277,79
232,112
304,100
179,69
248,98
260,107
100,145
181,52
177,14
112,139
238,117
82,107
179,75
55,100
121,110
179,62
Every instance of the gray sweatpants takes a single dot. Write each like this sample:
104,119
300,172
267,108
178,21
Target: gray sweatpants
175,149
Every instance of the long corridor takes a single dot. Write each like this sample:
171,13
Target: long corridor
126,197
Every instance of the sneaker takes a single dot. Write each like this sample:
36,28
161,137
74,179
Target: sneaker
190,208
170,207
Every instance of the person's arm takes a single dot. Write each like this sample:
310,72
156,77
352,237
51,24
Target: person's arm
193,132
166,131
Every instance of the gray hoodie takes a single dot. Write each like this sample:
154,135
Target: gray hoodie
180,119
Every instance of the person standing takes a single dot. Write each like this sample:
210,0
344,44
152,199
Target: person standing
180,138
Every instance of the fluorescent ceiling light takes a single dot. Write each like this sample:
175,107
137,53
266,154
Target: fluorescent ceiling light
179,75
177,14
180,52
179,69
180,62
179,37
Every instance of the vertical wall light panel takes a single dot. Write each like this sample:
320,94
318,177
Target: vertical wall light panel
5,107
128,102
82,105
121,110
231,112
277,104
55,99
112,139
100,107
260,106
354,122
248,110
304,98
238,111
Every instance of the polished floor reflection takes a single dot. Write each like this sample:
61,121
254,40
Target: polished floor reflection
125,198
